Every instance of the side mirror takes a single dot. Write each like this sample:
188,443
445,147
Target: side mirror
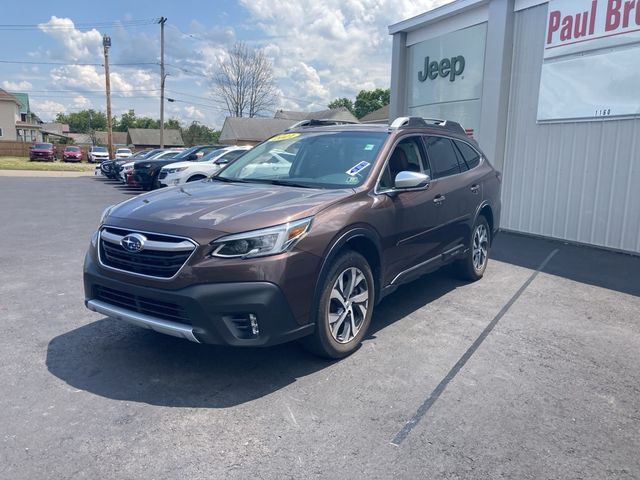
222,161
408,179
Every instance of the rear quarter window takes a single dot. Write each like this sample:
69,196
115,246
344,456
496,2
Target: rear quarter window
442,157
470,156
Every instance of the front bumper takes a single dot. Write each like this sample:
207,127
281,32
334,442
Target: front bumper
170,179
214,313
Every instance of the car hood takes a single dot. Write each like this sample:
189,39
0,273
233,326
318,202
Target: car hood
180,164
201,208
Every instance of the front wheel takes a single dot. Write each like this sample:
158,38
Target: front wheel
346,306
473,266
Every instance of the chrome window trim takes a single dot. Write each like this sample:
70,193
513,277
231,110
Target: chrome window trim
377,189
141,275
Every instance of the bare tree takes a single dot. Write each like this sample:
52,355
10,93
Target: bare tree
244,82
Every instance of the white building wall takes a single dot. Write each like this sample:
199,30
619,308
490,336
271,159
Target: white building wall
576,181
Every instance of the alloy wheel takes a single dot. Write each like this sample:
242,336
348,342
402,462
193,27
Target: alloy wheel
348,305
480,247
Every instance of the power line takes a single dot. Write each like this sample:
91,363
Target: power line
79,64
81,25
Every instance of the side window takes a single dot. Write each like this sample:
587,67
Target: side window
408,155
442,156
469,154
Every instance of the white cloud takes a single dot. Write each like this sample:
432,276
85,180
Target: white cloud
77,45
81,102
329,49
16,86
46,109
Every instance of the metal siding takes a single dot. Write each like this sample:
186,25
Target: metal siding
575,181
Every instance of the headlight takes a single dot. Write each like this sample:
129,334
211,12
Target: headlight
174,170
106,213
259,243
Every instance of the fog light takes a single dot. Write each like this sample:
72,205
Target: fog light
254,324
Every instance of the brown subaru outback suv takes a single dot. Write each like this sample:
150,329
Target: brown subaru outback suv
300,237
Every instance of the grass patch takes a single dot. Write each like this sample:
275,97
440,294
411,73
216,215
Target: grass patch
23,163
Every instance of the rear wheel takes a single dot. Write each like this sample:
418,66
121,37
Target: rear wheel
473,266
346,307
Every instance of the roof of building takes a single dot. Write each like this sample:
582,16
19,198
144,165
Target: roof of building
151,136
330,114
253,129
53,127
377,116
4,95
118,138
23,98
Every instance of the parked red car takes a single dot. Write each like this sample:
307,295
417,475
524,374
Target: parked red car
42,151
71,153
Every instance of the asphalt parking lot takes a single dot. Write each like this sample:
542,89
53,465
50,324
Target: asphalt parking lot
532,372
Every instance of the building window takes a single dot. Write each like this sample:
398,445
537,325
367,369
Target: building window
0,133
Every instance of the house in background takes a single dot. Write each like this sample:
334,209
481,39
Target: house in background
377,116
29,126
17,122
251,131
150,138
339,114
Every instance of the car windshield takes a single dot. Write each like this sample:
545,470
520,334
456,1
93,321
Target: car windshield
99,149
72,149
43,146
313,159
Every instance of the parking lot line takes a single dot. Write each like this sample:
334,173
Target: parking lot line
435,394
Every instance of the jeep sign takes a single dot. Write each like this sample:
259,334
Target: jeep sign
444,68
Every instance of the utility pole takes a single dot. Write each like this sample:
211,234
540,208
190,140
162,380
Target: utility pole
106,43
162,21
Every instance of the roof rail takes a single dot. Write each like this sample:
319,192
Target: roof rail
313,122
417,122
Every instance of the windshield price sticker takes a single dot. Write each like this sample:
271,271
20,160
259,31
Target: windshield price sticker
369,146
283,136
356,168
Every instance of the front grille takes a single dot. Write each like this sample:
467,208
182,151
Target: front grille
147,306
162,258
162,175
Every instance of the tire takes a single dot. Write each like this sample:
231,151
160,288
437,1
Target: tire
195,178
473,266
334,337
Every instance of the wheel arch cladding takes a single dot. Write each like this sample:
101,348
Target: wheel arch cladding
359,240
487,213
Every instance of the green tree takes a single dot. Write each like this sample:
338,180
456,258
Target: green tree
342,102
369,101
197,134
173,124
127,120
84,121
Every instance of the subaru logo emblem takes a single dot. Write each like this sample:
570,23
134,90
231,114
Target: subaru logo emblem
133,242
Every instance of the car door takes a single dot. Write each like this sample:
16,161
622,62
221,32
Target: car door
414,240
460,194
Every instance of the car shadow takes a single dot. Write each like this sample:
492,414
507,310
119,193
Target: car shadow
116,360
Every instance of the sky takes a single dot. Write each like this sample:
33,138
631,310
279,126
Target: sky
320,50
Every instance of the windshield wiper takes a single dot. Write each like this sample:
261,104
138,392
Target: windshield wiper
281,182
227,180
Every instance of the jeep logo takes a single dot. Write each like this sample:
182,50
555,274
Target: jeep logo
446,67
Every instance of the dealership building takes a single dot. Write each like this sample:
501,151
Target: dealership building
551,90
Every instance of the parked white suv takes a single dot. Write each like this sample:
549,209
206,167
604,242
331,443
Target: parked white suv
183,172
123,153
97,154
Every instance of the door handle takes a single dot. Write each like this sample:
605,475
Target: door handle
439,199
474,188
